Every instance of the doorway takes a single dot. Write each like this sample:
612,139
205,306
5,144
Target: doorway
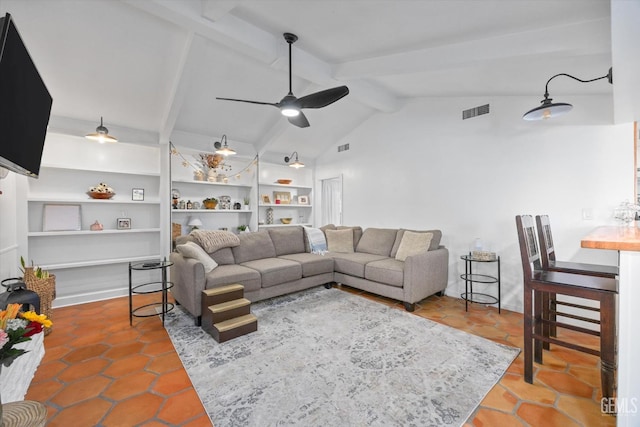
331,201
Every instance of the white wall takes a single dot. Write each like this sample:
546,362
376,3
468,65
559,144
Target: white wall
424,167
9,254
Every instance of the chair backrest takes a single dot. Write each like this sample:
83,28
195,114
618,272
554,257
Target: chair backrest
547,251
528,245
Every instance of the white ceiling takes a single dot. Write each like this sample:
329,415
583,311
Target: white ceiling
156,66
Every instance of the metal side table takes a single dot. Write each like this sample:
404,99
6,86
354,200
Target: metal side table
154,286
470,278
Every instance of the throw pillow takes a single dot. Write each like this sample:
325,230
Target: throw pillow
412,244
317,241
340,240
192,250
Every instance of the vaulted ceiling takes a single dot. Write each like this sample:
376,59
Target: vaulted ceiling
153,68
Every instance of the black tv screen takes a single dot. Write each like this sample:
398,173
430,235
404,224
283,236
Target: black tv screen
25,105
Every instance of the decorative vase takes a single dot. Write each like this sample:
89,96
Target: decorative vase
269,216
212,175
209,204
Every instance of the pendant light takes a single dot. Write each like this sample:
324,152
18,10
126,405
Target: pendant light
101,135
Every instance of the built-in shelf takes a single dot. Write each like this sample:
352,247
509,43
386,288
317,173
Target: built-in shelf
282,225
96,263
284,205
275,184
221,184
114,200
90,232
211,211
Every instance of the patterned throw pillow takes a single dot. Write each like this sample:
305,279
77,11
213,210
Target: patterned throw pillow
317,241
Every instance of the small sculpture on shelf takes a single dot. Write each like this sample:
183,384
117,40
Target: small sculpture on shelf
96,226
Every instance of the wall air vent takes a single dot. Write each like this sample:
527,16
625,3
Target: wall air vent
477,111
343,147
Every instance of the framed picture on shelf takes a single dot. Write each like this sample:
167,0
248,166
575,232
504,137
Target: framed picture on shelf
61,218
303,200
137,194
282,197
124,223
265,199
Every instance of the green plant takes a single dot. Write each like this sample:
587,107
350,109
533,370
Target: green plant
242,228
39,272
246,200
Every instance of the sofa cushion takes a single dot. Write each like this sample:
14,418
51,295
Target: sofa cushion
287,240
225,274
312,264
193,250
275,271
378,241
357,233
353,264
254,246
340,240
307,246
223,256
389,271
435,240
412,244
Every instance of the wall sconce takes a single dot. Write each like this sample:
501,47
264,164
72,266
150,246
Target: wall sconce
297,163
223,149
549,109
101,135
194,223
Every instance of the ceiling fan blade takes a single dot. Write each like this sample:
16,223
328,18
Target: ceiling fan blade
250,102
323,98
300,120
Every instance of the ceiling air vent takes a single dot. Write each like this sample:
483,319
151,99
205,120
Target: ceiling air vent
477,111
343,147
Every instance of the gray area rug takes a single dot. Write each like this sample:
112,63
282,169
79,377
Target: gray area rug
324,357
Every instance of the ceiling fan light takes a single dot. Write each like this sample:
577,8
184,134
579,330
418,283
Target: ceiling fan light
290,111
101,134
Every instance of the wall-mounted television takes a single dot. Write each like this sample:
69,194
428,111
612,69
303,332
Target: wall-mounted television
25,105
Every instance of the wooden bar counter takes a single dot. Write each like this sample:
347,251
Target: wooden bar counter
625,240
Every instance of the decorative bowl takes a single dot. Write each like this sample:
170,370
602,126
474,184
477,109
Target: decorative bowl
100,195
284,181
285,220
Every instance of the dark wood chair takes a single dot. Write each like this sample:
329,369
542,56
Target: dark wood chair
539,284
548,255
549,262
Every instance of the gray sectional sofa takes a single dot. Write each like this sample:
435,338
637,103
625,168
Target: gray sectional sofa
278,261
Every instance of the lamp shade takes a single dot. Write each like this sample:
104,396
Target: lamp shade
225,150
195,222
547,110
296,163
101,134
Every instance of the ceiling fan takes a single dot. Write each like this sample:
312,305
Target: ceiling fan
290,106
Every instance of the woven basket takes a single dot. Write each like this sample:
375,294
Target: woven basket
46,290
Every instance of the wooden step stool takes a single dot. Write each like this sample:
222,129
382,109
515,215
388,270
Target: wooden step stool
226,314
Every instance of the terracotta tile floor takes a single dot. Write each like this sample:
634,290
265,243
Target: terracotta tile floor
99,371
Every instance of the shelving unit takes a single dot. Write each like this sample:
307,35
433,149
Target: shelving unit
190,189
92,265
301,214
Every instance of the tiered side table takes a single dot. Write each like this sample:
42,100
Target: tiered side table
162,286
470,278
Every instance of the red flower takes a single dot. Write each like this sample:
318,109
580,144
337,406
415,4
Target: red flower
32,329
